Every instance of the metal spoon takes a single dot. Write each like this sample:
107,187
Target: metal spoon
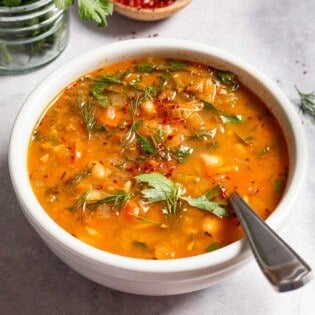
280,263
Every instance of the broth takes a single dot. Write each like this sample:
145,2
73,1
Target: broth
138,158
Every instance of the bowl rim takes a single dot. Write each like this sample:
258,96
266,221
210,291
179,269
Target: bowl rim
225,257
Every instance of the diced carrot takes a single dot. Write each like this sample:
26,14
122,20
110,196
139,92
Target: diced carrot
130,211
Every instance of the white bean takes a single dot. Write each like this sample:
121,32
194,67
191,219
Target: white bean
99,171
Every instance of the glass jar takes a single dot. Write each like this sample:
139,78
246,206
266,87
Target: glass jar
31,35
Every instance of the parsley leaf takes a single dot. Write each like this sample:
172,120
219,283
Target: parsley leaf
172,194
162,189
231,118
228,78
225,118
145,67
145,143
101,84
205,202
90,10
182,153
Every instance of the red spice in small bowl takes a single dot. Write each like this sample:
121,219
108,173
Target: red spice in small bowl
146,4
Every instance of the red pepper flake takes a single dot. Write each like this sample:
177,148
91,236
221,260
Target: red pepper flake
146,4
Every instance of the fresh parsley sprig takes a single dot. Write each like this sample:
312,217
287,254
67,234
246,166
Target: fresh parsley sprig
225,118
228,78
172,194
90,10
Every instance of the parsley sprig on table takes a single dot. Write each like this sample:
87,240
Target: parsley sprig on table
90,10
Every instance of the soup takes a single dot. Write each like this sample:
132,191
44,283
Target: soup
138,158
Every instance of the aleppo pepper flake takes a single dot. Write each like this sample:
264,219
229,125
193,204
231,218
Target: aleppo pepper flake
147,4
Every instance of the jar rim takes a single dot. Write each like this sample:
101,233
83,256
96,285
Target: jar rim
39,37
30,16
17,30
26,7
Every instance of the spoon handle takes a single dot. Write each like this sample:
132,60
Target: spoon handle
280,264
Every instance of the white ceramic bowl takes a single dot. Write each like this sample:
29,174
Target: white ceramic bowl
149,277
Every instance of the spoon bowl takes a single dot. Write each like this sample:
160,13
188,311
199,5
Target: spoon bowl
282,266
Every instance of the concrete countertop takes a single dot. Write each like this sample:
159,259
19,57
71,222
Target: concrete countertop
278,38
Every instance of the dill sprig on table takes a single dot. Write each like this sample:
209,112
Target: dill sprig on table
307,102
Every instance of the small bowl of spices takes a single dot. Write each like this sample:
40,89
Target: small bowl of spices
149,10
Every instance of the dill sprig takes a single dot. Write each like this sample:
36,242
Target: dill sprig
307,102
116,200
79,177
88,115
130,135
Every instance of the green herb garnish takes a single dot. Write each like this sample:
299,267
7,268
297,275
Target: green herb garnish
246,140
213,246
231,118
209,106
146,67
141,245
117,201
146,144
278,185
228,78
263,151
182,153
204,135
151,91
101,84
90,10
162,189
204,202
88,116
307,102
175,65
225,118
79,177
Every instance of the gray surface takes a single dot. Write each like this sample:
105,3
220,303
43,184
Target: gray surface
278,37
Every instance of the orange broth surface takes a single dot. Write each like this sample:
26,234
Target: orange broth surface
138,158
